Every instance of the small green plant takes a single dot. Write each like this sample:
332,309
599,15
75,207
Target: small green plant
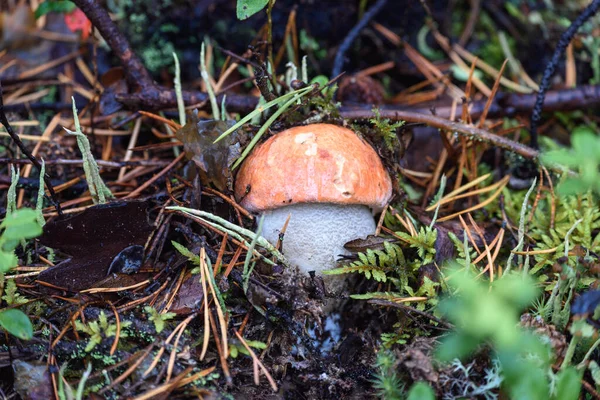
386,129
11,296
157,318
386,381
100,329
17,323
424,242
11,195
485,313
178,93
19,225
65,391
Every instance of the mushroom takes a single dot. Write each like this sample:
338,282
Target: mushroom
326,180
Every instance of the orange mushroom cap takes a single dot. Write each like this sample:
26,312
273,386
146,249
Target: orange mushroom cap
318,163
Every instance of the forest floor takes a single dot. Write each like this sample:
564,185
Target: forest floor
130,267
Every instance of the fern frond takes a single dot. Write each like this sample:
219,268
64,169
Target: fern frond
369,271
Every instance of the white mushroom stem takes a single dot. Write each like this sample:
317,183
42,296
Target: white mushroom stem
316,234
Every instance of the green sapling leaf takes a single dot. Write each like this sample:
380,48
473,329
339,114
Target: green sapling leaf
247,8
17,323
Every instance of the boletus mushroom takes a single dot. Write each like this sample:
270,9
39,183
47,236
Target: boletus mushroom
326,179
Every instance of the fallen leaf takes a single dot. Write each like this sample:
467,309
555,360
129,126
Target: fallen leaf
189,297
94,239
32,380
214,160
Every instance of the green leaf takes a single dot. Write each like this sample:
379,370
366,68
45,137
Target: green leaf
19,217
455,346
58,6
572,186
17,323
233,351
585,142
562,157
421,391
247,8
568,384
7,261
26,230
256,344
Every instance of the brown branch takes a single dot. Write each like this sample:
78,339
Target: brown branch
137,75
444,124
509,104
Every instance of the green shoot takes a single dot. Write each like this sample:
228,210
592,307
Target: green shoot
291,73
233,230
568,234
267,124
209,88
178,94
305,69
236,349
65,391
521,241
39,205
98,189
223,108
259,110
11,200
437,199
247,268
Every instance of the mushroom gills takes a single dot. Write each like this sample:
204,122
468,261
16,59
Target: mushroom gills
315,236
